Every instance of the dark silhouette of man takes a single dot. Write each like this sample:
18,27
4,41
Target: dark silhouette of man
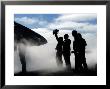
81,51
66,50
20,45
22,51
79,45
58,47
76,48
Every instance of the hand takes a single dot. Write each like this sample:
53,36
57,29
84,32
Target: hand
55,32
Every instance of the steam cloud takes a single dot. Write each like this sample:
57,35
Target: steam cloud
42,58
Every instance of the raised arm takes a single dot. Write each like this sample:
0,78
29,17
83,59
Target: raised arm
56,35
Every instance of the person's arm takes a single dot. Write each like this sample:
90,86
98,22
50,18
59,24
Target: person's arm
85,42
70,44
56,35
74,47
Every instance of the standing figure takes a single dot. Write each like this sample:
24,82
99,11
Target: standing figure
66,50
81,51
58,47
75,50
79,45
20,46
22,52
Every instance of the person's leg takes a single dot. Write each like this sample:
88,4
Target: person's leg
84,60
24,66
65,58
85,64
23,62
80,66
68,63
80,62
57,61
76,62
59,58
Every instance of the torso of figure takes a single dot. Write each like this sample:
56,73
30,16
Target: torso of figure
79,45
66,45
21,49
59,46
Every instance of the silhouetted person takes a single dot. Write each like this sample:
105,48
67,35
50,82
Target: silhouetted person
66,50
81,50
79,45
75,50
58,47
22,51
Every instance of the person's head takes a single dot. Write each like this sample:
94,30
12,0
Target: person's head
74,33
66,36
79,35
60,39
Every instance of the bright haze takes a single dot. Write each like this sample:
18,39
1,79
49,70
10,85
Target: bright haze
43,57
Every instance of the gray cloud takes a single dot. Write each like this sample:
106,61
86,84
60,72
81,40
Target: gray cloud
32,21
77,17
26,20
74,21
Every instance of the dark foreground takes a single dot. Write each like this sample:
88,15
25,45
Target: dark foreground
70,72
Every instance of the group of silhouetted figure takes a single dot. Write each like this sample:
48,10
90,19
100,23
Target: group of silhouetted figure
63,49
